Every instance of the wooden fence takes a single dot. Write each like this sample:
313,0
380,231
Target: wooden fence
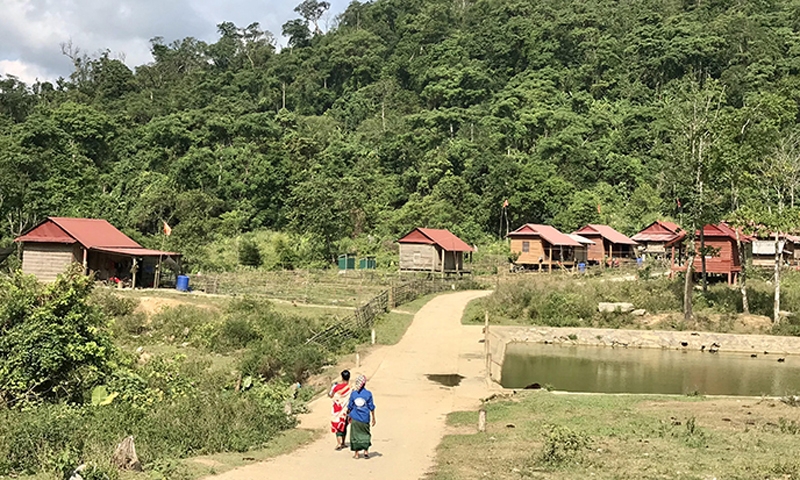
363,318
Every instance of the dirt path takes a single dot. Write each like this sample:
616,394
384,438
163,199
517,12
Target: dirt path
410,409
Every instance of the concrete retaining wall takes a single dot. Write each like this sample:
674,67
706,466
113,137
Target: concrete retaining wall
499,337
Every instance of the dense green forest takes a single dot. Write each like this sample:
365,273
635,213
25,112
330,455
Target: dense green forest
420,112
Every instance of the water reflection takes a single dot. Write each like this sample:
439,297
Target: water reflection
615,370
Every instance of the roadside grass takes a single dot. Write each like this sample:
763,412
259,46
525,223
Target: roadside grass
568,436
200,467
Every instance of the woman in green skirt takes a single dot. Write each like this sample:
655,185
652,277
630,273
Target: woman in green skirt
360,409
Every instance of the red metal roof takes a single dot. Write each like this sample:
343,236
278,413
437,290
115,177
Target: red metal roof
443,238
136,252
606,232
549,234
92,234
46,232
722,229
660,231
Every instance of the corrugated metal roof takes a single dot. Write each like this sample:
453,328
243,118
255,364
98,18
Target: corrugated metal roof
92,234
580,239
660,231
549,234
606,232
443,238
136,252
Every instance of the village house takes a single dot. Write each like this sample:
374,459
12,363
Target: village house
763,251
542,247
723,256
609,246
432,250
653,239
50,247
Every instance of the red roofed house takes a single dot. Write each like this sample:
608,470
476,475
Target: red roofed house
726,258
431,250
609,244
56,243
542,246
657,236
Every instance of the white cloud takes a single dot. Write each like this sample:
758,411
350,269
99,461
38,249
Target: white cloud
31,31
26,72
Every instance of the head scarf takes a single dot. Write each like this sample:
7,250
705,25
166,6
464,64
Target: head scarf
360,382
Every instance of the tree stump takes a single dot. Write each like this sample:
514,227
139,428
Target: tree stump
125,456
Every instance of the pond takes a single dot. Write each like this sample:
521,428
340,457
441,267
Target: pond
622,370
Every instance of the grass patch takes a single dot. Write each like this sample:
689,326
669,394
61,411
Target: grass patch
390,327
545,435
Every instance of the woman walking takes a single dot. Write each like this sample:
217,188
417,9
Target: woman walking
361,408
340,393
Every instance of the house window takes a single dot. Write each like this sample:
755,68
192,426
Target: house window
526,247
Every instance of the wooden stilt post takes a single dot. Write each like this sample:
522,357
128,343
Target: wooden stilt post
550,261
443,260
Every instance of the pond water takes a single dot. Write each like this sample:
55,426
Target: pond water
623,370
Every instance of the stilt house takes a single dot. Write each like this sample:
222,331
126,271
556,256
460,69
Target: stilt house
764,251
542,247
654,239
724,257
56,243
432,250
609,244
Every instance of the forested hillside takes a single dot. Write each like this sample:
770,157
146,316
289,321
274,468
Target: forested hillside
420,112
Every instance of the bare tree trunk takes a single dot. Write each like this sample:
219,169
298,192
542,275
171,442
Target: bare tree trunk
776,316
742,275
687,286
703,259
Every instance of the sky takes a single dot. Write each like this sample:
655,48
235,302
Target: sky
32,31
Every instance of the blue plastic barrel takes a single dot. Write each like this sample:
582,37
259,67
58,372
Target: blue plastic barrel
581,267
639,261
182,284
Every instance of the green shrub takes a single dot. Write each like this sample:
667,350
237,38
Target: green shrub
249,255
111,304
562,446
54,345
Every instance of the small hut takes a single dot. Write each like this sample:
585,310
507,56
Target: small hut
541,247
609,244
432,250
724,256
56,243
653,240
764,251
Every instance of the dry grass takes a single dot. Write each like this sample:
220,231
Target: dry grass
558,436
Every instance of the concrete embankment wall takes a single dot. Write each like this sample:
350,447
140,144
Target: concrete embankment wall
498,339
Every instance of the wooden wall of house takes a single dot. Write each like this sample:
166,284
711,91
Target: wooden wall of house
582,254
727,259
535,250
419,256
48,260
596,252
453,261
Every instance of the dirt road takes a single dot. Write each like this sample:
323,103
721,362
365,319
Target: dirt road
410,408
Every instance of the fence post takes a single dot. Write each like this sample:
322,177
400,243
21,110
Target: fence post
486,349
482,420
373,336
390,301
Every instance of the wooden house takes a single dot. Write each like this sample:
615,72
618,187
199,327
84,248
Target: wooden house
50,247
724,258
542,247
763,251
653,240
609,245
432,250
